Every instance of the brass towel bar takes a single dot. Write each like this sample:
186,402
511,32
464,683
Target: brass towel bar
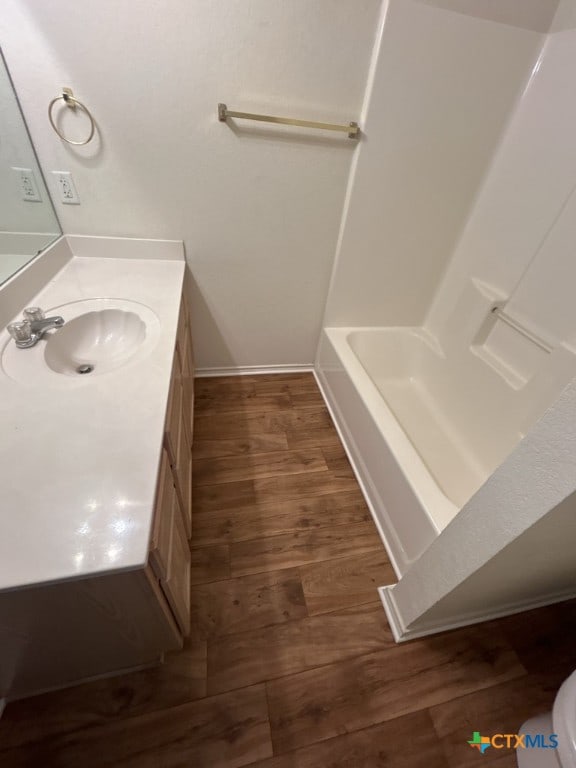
351,129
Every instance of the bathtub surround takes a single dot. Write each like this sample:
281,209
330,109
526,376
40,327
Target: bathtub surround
437,107
519,236
457,407
257,206
528,14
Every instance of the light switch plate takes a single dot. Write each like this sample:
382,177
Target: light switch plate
66,189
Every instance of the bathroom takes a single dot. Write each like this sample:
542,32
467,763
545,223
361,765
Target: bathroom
379,419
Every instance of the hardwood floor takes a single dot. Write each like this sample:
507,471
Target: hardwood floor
291,663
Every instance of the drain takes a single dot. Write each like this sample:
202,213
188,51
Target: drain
87,368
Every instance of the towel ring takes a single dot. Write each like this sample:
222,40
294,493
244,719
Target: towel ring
70,101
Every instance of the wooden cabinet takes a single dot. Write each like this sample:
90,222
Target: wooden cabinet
172,527
169,550
179,418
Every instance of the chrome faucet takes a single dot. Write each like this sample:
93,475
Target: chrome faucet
28,332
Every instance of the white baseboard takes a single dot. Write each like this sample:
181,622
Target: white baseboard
403,634
253,370
394,620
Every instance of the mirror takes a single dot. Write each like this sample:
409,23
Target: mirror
28,222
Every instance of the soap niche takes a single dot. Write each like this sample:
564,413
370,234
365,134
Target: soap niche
512,350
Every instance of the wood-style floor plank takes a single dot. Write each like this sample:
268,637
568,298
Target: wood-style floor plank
334,584
268,490
290,384
407,742
303,399
501,709
245,401
180,679
227,731
283,649
337,461
257,465
321,437
241,494
263,520
280,383
247,603
210,564
548,633
238,424
239,446
360,692
302,547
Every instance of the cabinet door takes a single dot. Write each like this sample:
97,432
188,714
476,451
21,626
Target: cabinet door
188,386
169,551
161,607
176,586
162,524
178,437
184,478
174,413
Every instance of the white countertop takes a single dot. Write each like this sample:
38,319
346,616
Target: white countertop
79,461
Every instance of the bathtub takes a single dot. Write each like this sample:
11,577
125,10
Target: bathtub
389,394
426,424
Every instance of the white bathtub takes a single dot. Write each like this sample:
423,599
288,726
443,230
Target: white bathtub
426,425
362,372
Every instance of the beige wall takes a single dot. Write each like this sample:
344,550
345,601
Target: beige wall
258,207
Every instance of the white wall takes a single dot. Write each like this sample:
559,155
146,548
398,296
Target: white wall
445,83
258,207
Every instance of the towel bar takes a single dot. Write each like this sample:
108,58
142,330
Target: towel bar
351,129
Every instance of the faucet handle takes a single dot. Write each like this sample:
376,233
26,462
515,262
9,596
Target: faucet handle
20,331
33,313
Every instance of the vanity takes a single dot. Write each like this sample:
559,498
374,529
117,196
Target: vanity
95,464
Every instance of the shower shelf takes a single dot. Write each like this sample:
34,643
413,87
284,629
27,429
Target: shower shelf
511,349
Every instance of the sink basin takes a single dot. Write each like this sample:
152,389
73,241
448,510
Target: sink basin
95,342
98,337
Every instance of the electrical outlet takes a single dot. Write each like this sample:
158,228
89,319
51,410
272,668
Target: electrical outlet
66,189
27,184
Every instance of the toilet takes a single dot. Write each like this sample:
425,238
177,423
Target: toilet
562,722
